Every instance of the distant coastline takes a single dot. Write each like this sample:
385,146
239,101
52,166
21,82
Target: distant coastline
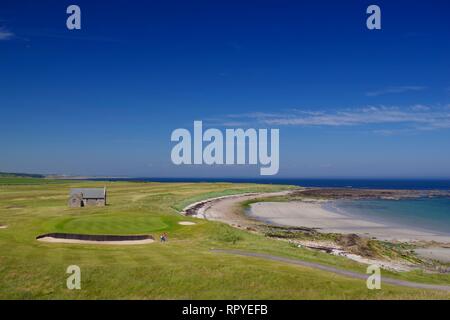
356,183
391,184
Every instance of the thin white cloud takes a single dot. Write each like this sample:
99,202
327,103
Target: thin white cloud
393,90
234,124
60,34
417,117
5,35
420,107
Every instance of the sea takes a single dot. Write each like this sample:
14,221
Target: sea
409,184
427,214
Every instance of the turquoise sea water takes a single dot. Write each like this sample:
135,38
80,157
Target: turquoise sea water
422,213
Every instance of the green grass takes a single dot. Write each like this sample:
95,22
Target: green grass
183,268
11,180
113,225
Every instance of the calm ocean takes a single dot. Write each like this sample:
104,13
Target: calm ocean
410,184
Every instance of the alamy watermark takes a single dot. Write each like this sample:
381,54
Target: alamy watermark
234,147
74,280
73,21
373,22
374,280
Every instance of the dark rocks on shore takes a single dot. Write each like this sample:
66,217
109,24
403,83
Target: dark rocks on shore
351,193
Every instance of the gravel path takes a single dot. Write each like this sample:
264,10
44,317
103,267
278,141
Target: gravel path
319,266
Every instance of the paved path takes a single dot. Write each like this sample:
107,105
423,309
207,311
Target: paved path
341,272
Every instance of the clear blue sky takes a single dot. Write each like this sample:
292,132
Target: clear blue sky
104,100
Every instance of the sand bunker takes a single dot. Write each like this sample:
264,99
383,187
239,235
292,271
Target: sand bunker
95,239
186,223
2,226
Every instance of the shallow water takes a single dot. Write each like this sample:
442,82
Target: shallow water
423,213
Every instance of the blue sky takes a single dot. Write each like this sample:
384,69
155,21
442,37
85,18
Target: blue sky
104,100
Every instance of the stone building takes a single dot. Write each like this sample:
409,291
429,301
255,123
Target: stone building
82,197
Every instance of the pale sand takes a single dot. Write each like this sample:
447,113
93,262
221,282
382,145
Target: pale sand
3,227
186,223
125,242
435,253
313,215
226,208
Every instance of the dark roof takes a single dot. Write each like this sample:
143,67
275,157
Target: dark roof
89,193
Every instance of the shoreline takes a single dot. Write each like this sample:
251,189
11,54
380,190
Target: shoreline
308,213
333,206
313,214
223,208
228,210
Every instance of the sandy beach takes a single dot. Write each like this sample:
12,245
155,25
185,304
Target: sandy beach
436,253
226,208
312,214
309,214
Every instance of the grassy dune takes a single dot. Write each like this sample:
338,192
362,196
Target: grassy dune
183,268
